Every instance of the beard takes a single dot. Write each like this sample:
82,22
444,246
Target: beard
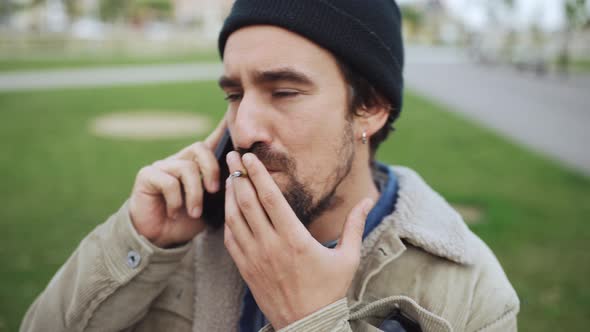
307,206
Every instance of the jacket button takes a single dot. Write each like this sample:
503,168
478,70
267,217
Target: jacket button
133,259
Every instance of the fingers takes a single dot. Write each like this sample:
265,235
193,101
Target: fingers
159,181
232,247
352,235
235,220
189,175
203,154
247,199
209,166
215,137
205,158
276,206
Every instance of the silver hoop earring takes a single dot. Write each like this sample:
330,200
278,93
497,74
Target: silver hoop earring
364,137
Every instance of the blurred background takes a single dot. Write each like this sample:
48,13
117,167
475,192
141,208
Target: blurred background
496,118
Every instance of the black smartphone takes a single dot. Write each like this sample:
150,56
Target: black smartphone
214,204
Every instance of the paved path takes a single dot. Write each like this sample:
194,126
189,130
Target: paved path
108,76
550,115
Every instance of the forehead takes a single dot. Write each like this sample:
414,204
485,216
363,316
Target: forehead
263,47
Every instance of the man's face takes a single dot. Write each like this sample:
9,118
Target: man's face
288,104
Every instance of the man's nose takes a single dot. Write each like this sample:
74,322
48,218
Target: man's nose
250,123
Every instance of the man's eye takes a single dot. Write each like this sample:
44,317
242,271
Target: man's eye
285,93
231,97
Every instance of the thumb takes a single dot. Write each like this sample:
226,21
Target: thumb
352,234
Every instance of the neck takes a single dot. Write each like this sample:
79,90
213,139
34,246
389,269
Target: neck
357,185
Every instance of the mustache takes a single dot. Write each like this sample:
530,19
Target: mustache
272,160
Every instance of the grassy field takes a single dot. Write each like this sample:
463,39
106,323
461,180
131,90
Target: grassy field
9,64
581,65
58,182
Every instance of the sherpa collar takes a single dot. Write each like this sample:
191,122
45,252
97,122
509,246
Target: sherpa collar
424,219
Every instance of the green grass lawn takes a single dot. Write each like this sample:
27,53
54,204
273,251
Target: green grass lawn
58,182
9,64
581,65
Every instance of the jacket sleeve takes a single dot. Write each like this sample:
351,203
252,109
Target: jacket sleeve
333,317
107,284
495,304
506,323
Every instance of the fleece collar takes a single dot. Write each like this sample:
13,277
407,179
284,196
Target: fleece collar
424,219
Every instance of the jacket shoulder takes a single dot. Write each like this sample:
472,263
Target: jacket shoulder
470,297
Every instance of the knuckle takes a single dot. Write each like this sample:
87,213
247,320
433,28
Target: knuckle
265,258
230,220
245,203
175,204
268,245
170,183
193,166
296,246
189,168
267,198
199,144
198,148
158,163
248,272
144,172
227,241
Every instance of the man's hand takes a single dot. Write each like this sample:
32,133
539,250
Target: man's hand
290,274
167,198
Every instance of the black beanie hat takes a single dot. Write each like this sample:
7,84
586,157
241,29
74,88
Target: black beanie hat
364,34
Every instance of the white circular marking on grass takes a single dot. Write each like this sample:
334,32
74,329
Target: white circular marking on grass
146,125
471,214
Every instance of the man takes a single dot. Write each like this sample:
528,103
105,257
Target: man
317,236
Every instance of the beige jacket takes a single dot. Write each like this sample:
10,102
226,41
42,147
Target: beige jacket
422,260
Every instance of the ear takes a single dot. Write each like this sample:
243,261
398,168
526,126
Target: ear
372,119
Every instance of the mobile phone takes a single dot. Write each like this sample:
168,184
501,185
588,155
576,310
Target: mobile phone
214,204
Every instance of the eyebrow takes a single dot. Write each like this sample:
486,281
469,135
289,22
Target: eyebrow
288,75
269,76
226,82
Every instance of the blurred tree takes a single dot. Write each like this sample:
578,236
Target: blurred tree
164,6
151,9
577,17
6,8
412,18
112,10
73,8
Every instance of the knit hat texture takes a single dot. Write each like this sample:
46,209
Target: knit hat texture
364,34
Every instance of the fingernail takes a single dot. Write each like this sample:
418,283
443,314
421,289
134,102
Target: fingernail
247,159
196,212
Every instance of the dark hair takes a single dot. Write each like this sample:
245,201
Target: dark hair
365,96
